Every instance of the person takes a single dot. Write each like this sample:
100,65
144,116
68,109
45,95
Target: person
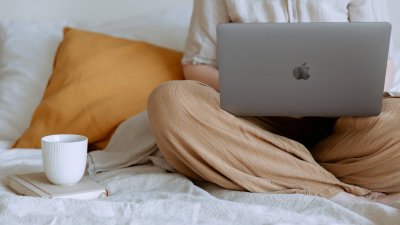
343,159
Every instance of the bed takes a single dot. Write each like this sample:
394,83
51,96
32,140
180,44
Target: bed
142,190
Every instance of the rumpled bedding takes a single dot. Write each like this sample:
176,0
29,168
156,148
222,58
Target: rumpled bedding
147,194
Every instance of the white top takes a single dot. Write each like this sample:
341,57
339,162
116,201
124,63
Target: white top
201,42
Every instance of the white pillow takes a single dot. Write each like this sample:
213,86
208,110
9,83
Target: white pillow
166,28
27,54
28,50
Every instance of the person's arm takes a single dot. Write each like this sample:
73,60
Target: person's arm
389,75
373,11
203,73
200,56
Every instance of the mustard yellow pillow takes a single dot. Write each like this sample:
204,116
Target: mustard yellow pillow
98,81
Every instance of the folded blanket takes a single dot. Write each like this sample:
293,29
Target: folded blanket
131,144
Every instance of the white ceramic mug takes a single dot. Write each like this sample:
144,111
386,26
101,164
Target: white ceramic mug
64,158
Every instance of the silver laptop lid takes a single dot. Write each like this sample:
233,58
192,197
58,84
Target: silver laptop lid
303,69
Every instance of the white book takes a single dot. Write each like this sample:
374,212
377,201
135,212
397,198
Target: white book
37,184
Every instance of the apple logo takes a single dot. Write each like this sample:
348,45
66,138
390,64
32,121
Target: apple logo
302,72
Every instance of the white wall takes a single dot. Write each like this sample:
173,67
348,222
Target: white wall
82,10
100,10
394,8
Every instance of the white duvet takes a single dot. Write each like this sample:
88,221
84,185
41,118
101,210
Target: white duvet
147,194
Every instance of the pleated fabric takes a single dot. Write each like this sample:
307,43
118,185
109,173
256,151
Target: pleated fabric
204,142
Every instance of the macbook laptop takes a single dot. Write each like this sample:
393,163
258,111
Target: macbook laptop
303,69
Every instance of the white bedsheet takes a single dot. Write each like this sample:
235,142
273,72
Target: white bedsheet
148,195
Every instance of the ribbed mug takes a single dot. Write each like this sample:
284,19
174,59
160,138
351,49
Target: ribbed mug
64,158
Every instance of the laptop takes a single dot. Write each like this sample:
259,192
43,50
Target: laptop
303,69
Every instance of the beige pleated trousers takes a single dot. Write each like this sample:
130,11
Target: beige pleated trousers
204,142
